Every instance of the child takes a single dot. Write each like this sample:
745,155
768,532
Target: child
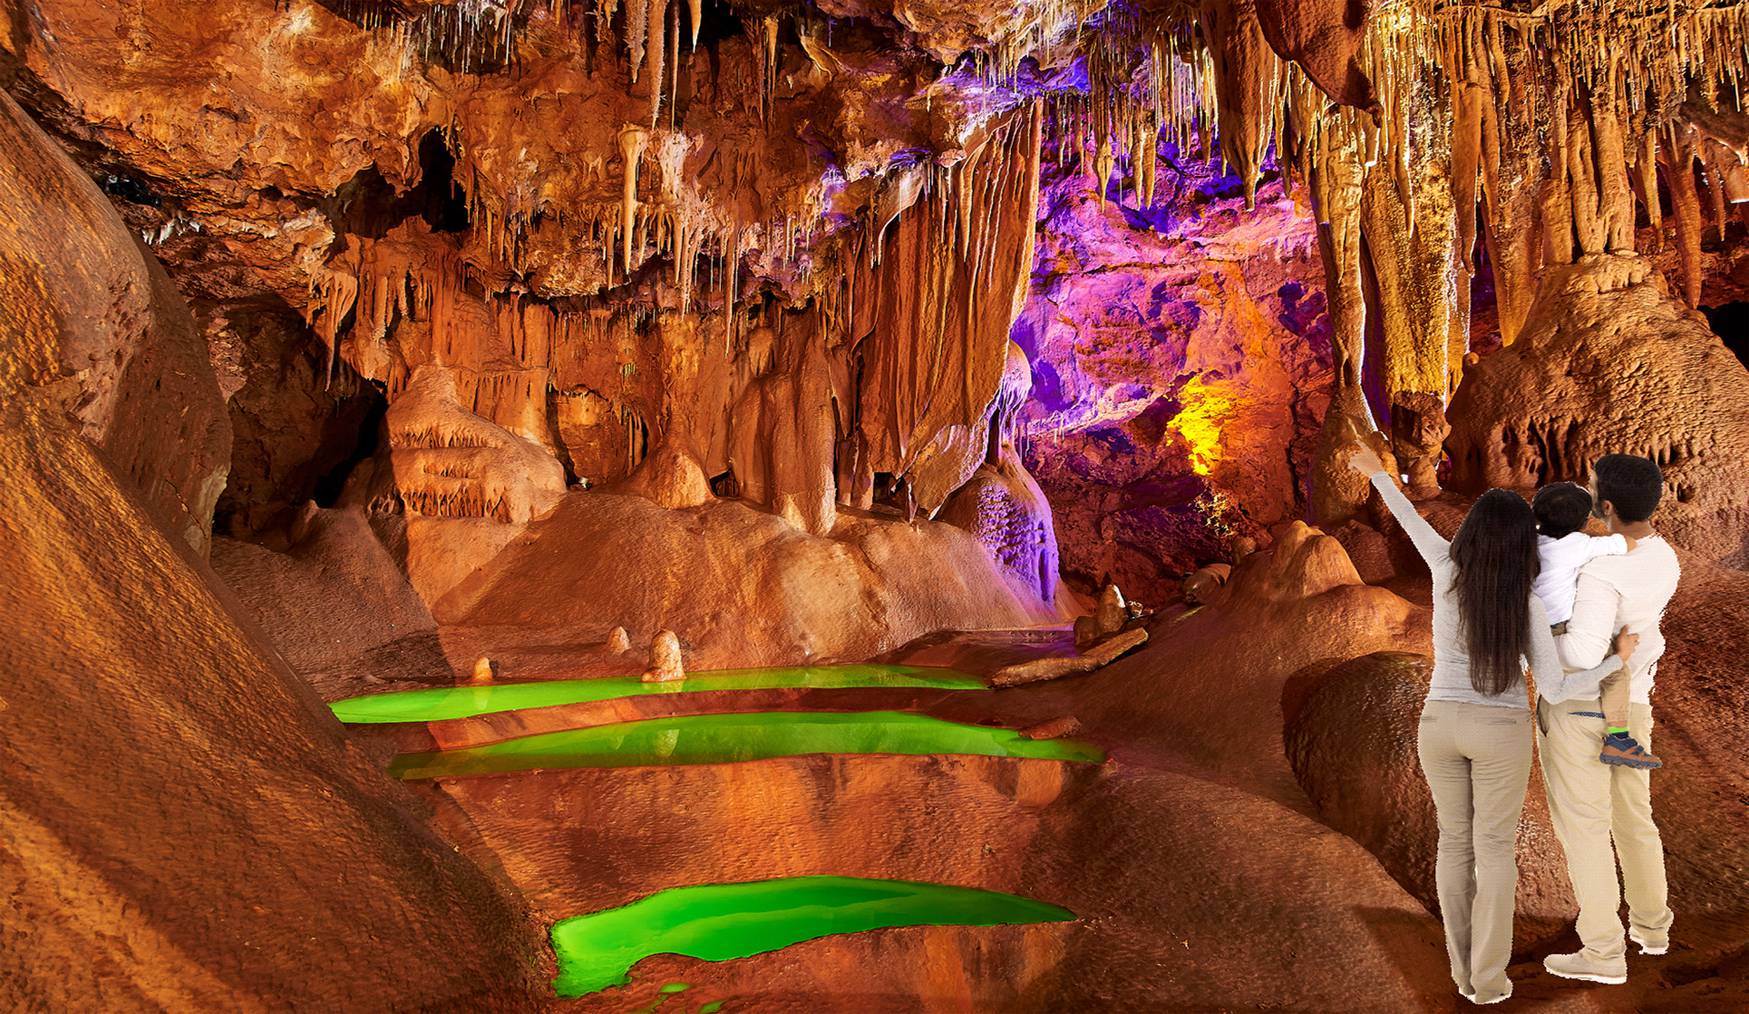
1561,509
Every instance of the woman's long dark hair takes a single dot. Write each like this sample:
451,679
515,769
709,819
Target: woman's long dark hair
1495,553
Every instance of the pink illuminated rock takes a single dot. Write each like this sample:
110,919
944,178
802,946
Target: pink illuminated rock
1181,363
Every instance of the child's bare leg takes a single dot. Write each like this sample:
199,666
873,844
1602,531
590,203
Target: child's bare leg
1615,701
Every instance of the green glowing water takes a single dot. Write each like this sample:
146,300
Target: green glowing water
720,739
439,703
717,922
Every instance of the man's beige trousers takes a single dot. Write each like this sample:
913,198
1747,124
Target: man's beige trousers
1603,812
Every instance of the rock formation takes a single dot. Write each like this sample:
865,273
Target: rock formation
216,865
1609,362
1100,654
98,325
1365,780
1204,585
665,660
1111,613
1418,432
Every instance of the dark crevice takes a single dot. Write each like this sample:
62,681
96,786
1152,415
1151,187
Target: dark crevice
1730,321
1374,356
363,444
369,14
128,187
369,205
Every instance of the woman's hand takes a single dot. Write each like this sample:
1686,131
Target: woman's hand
1366,461
1625,643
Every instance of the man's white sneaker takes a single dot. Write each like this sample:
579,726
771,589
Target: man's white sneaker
1647,947
1487,1001
1578,966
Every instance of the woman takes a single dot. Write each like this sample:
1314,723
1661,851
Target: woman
1475,737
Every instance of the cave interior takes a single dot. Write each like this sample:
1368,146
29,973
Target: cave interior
828,505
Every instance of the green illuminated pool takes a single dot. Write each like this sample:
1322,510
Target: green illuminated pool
439,703
717,922
719,739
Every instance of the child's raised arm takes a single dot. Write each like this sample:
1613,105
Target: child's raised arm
1607,545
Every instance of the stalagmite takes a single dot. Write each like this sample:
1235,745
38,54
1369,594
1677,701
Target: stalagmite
618,641
665,659
485,670
1112,612
632,141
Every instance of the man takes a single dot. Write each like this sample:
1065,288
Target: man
1592,803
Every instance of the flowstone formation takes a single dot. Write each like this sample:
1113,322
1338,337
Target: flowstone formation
215,866
1610,361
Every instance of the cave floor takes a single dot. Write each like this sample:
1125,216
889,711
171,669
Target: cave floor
1199,875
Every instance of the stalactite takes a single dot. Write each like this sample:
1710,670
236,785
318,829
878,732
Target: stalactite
1610,158
1148,161
657,19
1470,95
673,64
1245,73
1716,170
1644,177
1678,161
632,141
932,317
1587,224
695,8
637,27
604,12
768,65
1102,165
1334,178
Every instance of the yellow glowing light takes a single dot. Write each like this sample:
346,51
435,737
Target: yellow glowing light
1199,422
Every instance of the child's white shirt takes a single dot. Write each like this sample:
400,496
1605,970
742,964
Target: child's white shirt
1561,559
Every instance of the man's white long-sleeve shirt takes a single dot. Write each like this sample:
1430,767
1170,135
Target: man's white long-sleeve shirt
1614,592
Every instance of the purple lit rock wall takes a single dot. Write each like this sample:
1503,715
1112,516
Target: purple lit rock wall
1181,361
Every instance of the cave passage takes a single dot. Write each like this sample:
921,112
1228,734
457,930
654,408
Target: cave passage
717,922
435,704
725,739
